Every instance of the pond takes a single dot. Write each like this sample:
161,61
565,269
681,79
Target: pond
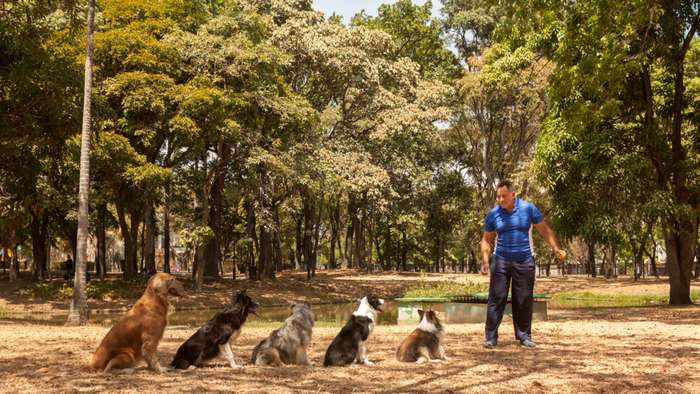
326,315
333,315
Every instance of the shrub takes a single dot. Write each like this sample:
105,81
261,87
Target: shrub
443,289
96,290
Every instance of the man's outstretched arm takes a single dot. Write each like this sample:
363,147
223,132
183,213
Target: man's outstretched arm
551,239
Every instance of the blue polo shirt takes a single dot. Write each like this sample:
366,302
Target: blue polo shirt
513,241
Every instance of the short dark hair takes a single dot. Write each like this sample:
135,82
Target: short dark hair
505,183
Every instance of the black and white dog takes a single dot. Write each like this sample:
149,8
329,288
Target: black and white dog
350,344
216,335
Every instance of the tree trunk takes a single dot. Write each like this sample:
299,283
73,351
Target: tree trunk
149,237
79,309
212,251
350,257
101,263
166,229
404,251
590,263
652,258
307,242
317,236
14,266
266,265
299,243
359,228
48,255
680,232
335,225
277,240
250,231
201,247
387,246
697,249
679,237
129,266
39,231
135,225
435,255
13,273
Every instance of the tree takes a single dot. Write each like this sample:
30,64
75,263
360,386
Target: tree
378,113
469,24
621,80
416,35
79,309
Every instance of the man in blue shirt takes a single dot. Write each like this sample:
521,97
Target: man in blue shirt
512,259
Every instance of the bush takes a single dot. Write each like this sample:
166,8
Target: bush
444,289
46,290
96,290
590,300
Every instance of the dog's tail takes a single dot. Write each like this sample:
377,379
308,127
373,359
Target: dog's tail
99,359
254,356
269,356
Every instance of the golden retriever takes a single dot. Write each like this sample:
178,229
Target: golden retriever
137,334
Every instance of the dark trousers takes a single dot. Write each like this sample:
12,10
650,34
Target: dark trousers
522,274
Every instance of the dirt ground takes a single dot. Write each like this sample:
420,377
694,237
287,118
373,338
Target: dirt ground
642,350
611,350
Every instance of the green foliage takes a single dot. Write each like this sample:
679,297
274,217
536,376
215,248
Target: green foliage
47,290
96,290
576,299
416,36
443,289
470,24
196,235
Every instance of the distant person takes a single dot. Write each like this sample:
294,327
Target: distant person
512,259
68,268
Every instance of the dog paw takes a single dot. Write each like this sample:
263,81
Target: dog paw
235,366
367,362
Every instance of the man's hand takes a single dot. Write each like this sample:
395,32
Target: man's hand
486,242
561,254
484,269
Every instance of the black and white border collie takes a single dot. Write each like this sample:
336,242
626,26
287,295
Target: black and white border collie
216,335
350,344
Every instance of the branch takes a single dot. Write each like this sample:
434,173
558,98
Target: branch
689,37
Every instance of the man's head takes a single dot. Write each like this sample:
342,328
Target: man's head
505,196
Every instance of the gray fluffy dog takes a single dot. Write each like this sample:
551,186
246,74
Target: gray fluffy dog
287,344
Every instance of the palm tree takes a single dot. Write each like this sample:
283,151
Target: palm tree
78,307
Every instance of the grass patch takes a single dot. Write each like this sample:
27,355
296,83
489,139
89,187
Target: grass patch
585,299
96,289
425,289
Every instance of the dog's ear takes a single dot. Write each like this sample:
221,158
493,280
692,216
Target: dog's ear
158,284
420,314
